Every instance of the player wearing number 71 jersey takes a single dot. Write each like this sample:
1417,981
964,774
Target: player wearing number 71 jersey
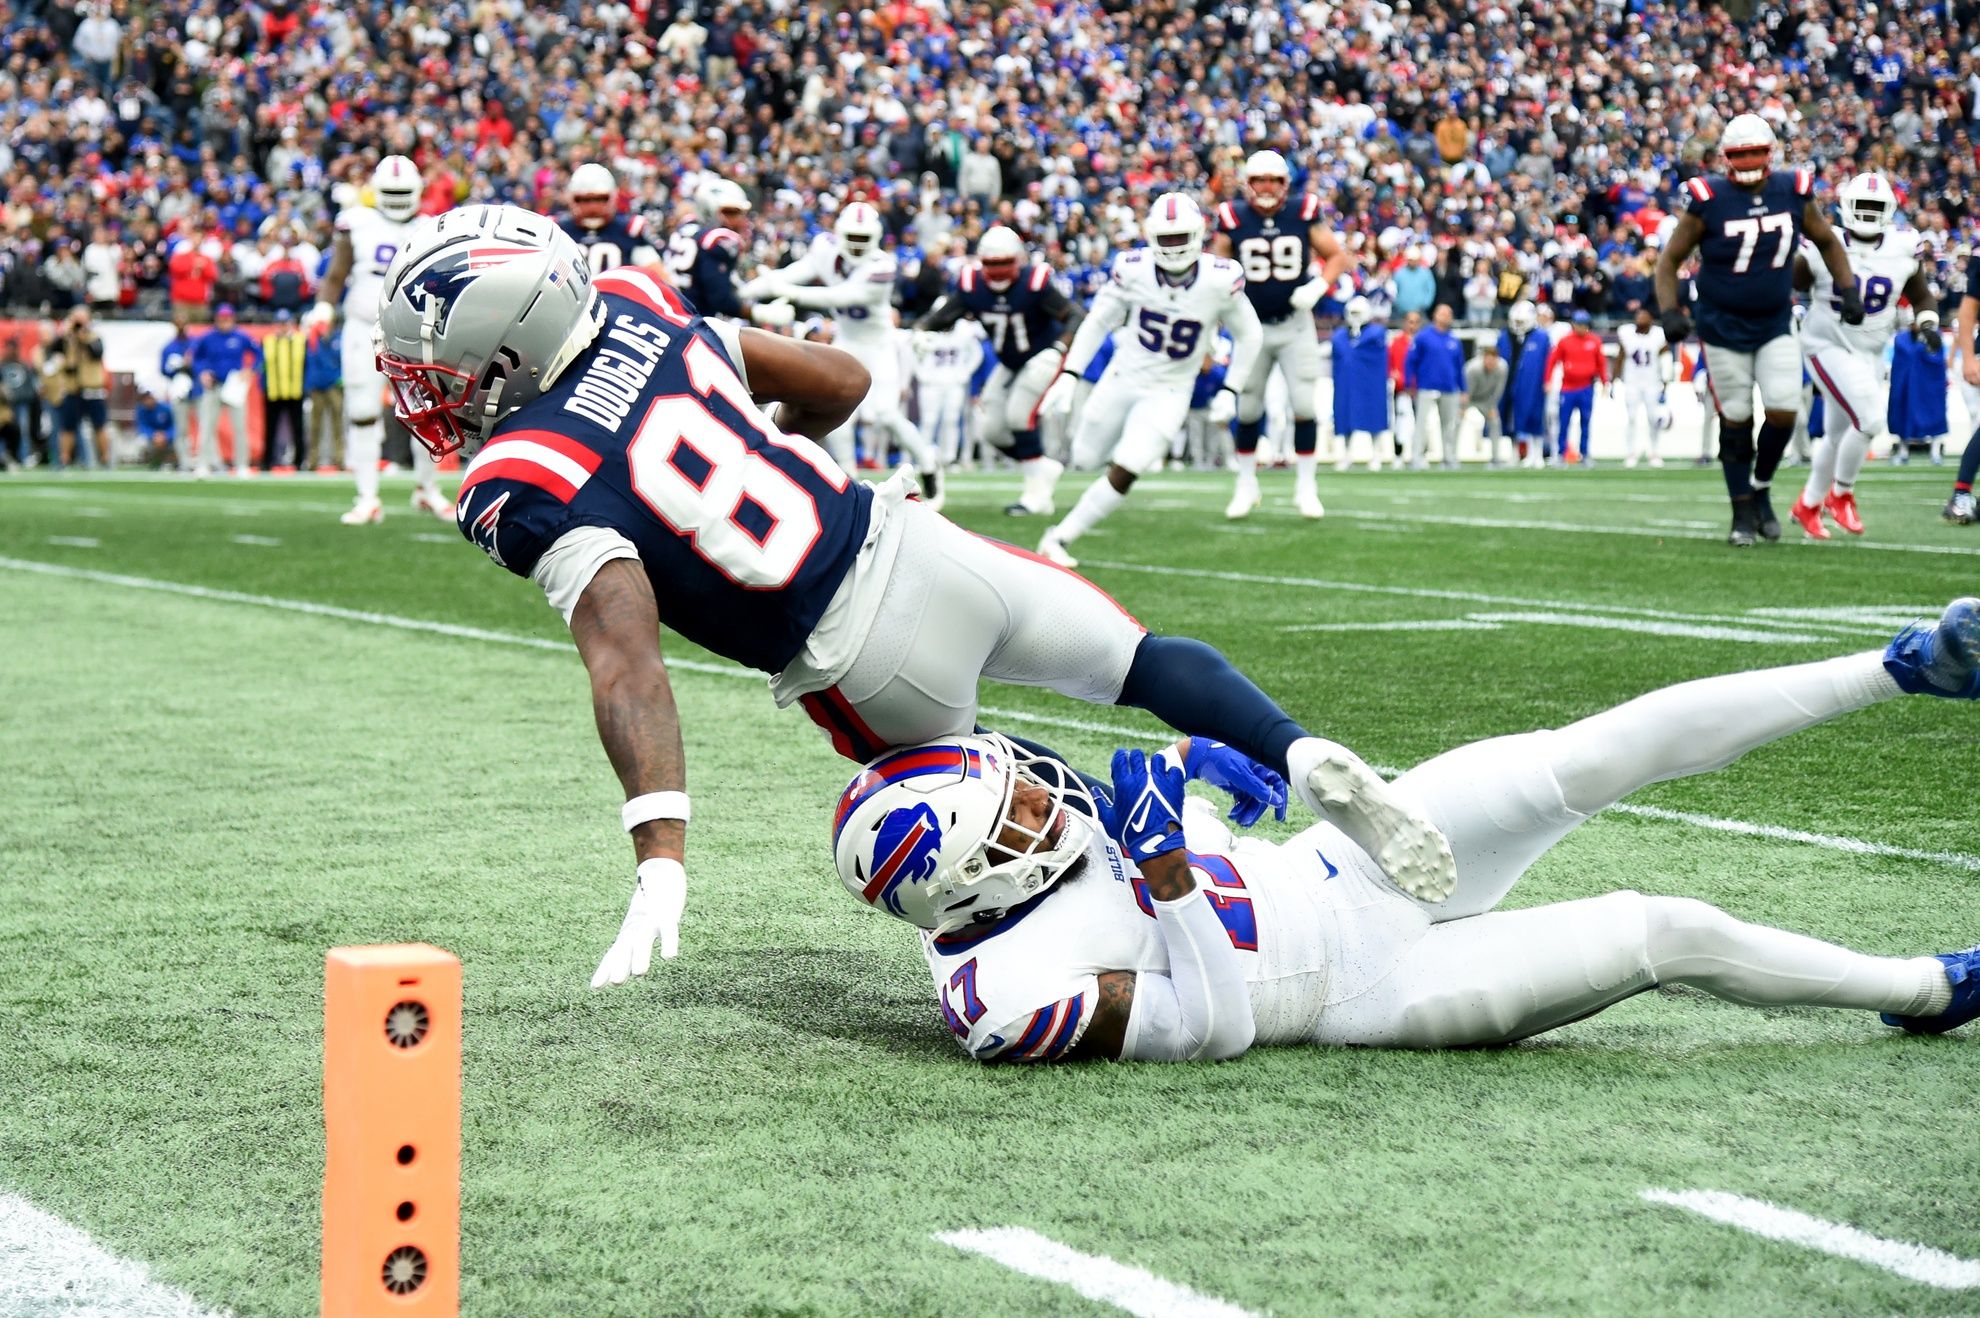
629,470
1171,296
1847,362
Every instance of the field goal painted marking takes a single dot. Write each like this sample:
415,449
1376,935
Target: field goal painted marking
1919,1263
1092,1275
48,1266
1854,846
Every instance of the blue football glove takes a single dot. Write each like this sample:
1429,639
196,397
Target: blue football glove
1148,801
1254,788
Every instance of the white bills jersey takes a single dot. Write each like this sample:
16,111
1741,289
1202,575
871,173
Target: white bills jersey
1881,272
1641,369
1025,988
375,240
867,321
953,355
1169,325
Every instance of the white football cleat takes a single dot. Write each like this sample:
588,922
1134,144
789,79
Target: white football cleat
364,512
1052,548
1244,499
1309,505
430,500
1338,785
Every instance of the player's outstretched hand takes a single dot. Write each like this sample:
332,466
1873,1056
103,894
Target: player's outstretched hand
1148,802
760,289
1852,306
777,315
1223,406
1254,788
1058,399
659,896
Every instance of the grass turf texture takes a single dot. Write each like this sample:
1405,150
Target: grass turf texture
203,796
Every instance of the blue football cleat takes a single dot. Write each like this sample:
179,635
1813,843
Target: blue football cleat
1963,969
1940,660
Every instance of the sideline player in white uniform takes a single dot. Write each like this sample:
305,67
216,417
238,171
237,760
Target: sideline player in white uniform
1642,368
368,237
1849,362
1064,918
1173,297
846,273
945,361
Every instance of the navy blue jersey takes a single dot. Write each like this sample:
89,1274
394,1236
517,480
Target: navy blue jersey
1745,283
621,240
1022,319
701,260
1973,291
744,531
1272,249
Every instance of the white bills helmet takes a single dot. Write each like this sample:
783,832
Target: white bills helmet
483,309
1522,317
721,201
1358,311
928,834
1267,179
396,187
1748,148
1868,206
1174,230
593,195
1000,252
859,230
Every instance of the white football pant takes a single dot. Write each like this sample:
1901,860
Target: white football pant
1128,422
1640,415
1292,345
944,407
1775,368
880,411
1448,408
208,458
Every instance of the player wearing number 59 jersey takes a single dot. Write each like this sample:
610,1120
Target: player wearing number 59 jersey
1171,297
629,469
1847,362
1746,227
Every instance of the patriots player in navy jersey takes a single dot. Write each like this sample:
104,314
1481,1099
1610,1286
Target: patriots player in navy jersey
628,467
701,254
609,239
1277,241
1030,322
1746,226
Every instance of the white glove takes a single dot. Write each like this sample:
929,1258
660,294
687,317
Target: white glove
773,315
655,912
763,286
318,317
1058,399
922,342
1926,322
1307,295
1223,407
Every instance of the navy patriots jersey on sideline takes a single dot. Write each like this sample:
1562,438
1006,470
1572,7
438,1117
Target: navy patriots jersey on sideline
744,531
1745,281
1273,249
612,244
1022,320
701,259
1973,291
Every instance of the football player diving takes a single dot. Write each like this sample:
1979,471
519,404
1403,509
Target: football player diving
627,466
1064,918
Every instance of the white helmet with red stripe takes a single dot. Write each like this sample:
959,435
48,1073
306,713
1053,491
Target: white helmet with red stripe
1000,252
396,187
593,195
859,230
1868,206
1748,148
1174,230
956,832
721,201
483,309
1267,180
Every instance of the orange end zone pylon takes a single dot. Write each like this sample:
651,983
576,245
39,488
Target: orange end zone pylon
392,1128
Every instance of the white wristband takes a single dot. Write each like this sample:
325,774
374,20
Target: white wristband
654,805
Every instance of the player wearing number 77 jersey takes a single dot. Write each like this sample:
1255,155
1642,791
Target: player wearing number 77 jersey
629,470
1746,226
1172,297
1064,918
1847,361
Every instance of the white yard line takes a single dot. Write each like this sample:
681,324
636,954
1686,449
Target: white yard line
1092,1275
1919,1263
1471,624
1641,532
455,631
267,541
48,1266
75,541
1755,635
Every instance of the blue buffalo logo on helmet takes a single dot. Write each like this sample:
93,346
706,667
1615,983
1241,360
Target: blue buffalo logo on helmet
906,849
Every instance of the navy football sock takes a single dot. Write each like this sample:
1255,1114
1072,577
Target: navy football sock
1195,690
1025,445
1774,442
1245,436
1306,435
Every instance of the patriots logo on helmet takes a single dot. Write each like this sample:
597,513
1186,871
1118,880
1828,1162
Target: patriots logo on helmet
906,849
448,272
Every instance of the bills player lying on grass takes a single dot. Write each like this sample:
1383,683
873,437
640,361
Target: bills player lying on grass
1062,918
628,468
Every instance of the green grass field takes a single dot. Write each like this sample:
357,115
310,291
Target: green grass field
322,735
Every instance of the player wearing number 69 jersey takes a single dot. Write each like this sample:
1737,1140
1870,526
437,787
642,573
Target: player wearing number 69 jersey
1171,296
1746,226
629,469
1847,362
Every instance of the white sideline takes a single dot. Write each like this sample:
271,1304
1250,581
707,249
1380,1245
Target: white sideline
1913,1262
48,1266
1092,1275
1855,846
